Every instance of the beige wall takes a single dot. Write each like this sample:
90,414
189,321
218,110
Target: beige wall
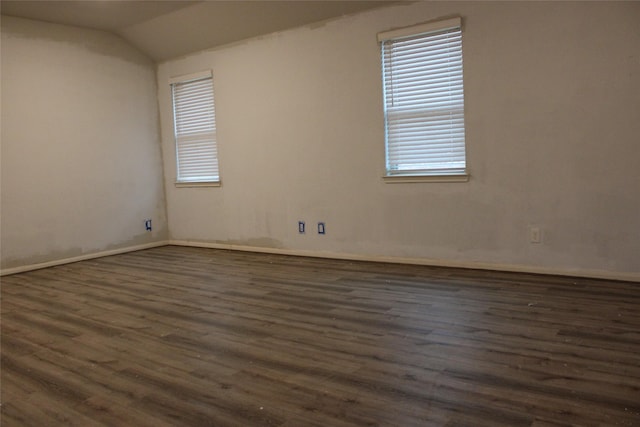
81,159
552,135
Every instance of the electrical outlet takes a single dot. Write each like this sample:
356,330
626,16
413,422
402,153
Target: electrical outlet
321,229
301,227
147,224
535,235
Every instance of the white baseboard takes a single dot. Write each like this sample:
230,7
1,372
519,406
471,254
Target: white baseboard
23,268
594,274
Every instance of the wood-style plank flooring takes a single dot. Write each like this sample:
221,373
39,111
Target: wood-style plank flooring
186,336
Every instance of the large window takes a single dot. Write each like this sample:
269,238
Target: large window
424,100
195,129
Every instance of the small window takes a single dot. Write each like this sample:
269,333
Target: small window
424,100
195,130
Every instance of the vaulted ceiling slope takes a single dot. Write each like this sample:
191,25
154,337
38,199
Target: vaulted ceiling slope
169,29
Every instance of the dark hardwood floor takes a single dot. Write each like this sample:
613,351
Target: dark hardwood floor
188,336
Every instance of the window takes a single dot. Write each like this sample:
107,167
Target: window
424,101
195,130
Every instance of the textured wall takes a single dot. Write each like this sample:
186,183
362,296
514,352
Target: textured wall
552,141
81,157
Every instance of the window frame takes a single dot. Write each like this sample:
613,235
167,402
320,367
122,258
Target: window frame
394,175
205,181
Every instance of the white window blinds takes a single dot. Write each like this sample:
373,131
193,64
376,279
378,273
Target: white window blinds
423,98
195,129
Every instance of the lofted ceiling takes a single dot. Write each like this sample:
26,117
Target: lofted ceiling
168,29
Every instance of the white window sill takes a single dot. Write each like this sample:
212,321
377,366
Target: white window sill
198,184
402,179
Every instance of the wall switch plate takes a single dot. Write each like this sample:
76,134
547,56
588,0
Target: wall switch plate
535,235
321,229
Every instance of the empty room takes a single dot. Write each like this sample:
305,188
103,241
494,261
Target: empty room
320,213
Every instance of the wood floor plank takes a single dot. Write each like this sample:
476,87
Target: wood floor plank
193,336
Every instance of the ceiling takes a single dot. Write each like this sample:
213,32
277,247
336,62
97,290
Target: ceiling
168,29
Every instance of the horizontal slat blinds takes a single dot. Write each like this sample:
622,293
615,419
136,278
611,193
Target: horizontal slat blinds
195,130
424,102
